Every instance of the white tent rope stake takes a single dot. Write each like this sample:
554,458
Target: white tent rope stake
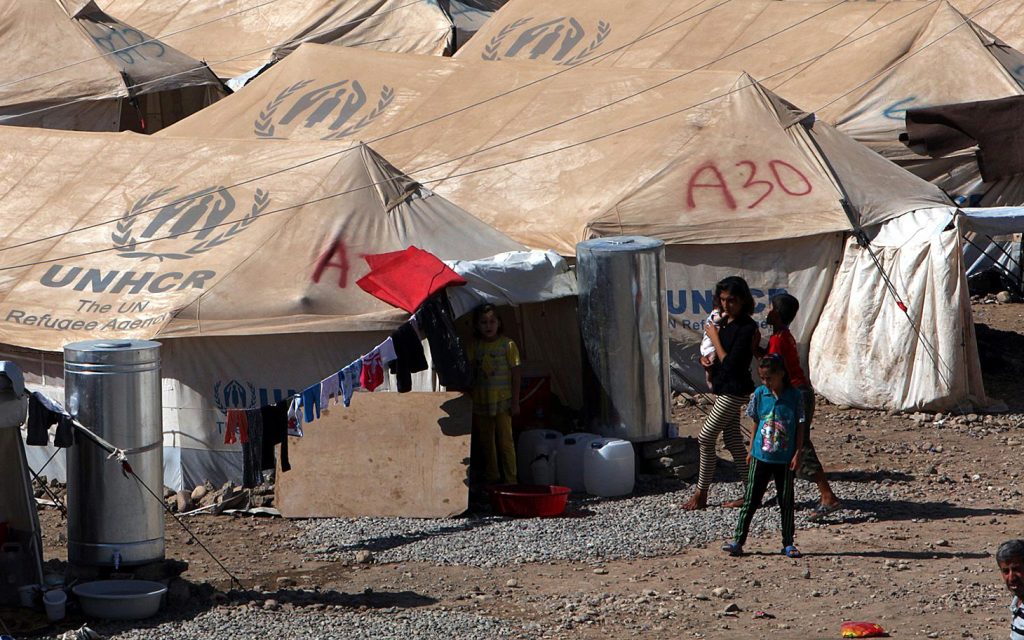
119,456
519,137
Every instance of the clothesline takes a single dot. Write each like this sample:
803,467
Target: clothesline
259,430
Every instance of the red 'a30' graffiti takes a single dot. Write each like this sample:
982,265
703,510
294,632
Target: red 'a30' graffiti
755,188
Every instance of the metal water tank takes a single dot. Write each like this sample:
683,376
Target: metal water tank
113,388
622,314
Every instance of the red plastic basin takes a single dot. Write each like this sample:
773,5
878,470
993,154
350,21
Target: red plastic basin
530,500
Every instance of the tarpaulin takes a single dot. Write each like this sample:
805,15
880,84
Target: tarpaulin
404,279
869,352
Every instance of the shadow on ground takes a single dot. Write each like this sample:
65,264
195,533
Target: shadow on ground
857,511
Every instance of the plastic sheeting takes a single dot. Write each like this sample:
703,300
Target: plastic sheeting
993,221
867,352
514,277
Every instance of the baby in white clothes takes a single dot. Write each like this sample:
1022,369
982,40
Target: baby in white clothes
707,348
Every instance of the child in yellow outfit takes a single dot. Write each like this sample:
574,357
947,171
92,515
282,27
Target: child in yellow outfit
496,378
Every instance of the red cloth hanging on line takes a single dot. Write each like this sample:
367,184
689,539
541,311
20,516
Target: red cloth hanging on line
404,279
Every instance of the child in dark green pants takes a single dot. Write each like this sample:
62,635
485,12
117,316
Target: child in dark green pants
778,411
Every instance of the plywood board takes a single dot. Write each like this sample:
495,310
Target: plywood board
388,454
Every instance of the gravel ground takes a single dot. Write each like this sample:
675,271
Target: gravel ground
645,525
243,624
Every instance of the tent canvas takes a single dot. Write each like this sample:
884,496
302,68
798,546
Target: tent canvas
238,37
77,68
555,158
210,247
857,65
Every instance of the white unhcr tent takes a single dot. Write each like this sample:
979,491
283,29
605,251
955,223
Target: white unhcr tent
858,65
733,178
241,263
69,65
239,37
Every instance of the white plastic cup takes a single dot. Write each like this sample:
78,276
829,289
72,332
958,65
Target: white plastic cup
27,595
55,602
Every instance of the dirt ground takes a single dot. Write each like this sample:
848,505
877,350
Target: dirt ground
926,572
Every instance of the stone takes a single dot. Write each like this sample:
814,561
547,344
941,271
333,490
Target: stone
285,581
1003,297
183,501
271,604
601,571
807,574
732,607
512,582
941,543
364,556
722,592
199,493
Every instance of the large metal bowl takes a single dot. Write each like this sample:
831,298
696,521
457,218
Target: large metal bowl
120,599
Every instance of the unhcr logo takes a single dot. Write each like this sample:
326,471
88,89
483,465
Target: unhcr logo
200,217
559,41
343,108
234,395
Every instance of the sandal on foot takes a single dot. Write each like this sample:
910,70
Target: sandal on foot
825,509
733,548
792,552
822,510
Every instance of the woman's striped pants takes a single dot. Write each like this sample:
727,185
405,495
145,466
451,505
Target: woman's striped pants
725,419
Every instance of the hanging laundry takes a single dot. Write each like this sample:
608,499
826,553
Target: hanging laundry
275,432
372,374
405,279
252,449
295,417
64,436
447,353
329,388
349,377
387,351
43,413
311,403
235,427
410,358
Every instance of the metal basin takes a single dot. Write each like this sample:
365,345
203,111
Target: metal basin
120,599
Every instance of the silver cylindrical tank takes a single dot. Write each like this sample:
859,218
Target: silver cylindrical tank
622,314
113,388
